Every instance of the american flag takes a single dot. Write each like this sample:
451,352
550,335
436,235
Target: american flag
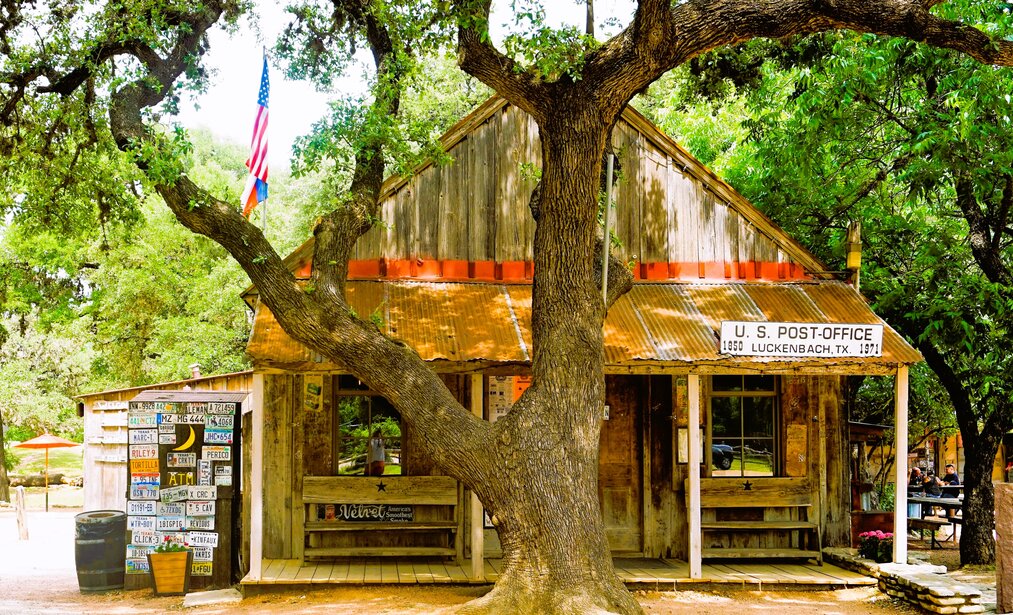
256,185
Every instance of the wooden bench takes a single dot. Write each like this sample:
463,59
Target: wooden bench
928,523
363,527
779,516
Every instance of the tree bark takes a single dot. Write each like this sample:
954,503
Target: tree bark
545,503
977,544
5,483
535,469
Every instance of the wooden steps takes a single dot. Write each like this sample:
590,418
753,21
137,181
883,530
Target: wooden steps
418,526
756,526
761,554
325,552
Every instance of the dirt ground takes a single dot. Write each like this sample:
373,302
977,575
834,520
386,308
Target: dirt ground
38,577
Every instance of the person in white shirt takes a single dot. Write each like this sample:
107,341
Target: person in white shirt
376,454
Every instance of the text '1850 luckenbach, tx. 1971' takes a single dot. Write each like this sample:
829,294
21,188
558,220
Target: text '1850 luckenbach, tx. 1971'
801,339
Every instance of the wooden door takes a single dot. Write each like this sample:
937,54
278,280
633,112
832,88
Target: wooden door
619,466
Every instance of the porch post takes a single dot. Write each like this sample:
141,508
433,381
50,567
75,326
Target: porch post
477,518
900,455
693,456
257,481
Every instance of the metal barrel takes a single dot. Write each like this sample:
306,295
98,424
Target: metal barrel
100,548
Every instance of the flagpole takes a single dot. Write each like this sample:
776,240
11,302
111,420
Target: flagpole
263,221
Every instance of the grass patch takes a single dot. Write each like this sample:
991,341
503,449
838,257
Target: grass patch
59,497
67,461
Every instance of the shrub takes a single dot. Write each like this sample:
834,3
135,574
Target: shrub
876,545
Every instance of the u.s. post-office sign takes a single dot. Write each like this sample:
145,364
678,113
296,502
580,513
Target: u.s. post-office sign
801,339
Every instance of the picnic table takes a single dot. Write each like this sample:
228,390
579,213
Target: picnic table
927,521
948,490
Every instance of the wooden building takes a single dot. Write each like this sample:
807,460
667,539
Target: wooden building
105,433
717,443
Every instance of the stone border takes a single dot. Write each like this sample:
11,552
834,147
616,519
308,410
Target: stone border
923,585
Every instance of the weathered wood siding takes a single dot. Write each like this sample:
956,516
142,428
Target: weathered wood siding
813,437
475,208
300,443
105,436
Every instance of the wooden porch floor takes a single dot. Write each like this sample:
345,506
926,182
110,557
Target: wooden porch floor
661,574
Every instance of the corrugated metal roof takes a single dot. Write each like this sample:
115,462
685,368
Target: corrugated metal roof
673,325
183,396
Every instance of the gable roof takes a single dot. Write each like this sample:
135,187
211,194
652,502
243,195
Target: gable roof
297,260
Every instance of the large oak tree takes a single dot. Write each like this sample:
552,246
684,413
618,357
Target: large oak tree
96,74
917,142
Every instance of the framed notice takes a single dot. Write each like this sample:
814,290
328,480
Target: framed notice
682,445
313,385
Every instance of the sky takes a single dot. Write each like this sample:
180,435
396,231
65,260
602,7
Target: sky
227,109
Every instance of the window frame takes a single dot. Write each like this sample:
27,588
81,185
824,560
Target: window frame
773,393
336,437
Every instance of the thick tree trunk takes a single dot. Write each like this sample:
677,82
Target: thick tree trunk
545,500
5,494
977,541
977,544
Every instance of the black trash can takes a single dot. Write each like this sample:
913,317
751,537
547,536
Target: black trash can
100,549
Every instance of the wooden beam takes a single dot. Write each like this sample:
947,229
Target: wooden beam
423,490
257,482
477,518
693,494
900,397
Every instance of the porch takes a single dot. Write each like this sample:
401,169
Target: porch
638,573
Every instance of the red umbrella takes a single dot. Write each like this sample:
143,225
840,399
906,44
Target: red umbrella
47,441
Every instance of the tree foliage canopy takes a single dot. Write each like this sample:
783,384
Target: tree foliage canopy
86,84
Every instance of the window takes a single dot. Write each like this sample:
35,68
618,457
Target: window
743,416
367,431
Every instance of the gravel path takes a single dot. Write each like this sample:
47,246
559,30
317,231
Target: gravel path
38,577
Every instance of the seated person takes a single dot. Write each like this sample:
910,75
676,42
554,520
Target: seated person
931,485
917,479
951,478
932,490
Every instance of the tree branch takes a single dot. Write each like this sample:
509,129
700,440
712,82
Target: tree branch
322,321
979,234
477,56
